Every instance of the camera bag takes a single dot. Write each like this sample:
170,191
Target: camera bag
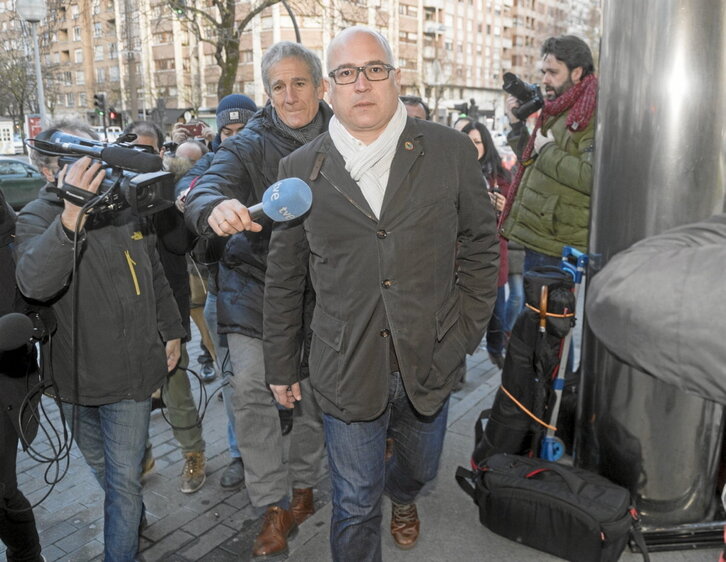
568,512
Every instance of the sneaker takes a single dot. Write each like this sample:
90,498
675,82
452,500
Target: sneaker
233,476
193,475
208,373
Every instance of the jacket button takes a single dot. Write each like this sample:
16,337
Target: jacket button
385,333
387,283
381,234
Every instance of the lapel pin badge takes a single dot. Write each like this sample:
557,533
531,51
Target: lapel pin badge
408,145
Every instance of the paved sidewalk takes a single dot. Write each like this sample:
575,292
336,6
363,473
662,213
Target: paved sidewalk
217,525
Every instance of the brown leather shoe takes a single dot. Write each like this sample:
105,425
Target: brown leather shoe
278,526
405,525
302,505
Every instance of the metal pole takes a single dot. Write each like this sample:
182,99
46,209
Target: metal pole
38,75
659,163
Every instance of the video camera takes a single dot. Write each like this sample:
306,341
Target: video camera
529,95
134,176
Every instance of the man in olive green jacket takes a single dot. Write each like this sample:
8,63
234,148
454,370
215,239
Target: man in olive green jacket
551,208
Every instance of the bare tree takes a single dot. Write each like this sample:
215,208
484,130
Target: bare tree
217,23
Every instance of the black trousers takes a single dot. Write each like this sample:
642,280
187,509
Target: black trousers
17,523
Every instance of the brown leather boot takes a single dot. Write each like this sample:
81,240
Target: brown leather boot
404,525
302,505
278,526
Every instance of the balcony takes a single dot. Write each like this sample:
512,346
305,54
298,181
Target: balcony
433,4
434,28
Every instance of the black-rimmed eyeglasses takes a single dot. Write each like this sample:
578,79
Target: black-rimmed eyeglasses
348,74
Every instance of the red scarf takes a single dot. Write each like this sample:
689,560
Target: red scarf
582,98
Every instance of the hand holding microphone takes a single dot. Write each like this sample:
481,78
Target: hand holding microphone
283,201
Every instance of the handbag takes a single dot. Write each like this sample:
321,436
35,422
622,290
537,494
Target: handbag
568,512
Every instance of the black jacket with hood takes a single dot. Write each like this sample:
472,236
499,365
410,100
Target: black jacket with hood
244,166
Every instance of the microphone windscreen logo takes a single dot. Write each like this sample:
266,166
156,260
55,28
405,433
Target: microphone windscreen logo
287,199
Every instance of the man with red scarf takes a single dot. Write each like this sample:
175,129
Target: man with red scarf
549,203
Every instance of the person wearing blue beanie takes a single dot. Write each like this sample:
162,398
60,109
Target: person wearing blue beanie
233,112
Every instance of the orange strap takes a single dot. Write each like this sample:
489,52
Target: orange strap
526,411
552,314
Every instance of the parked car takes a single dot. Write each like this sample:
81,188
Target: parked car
20,182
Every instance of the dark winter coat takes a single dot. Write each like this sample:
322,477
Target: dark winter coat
243,168
396,278
17,364
125,309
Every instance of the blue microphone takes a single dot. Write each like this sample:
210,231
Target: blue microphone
284,201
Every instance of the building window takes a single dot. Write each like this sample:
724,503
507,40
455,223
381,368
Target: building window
82,101
97,29
80,77
70,100
78,55
98,52
113,74
165,64
100,75
112,50
76,33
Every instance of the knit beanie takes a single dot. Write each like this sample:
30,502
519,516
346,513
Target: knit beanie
234,108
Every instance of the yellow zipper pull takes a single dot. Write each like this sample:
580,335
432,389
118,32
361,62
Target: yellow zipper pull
132,263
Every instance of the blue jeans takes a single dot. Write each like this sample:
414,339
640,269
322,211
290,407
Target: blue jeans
112,439
515,301
360,475
495,328
536,259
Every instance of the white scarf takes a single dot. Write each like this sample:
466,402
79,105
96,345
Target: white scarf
370,165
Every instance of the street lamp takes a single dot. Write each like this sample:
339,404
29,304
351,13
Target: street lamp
33,11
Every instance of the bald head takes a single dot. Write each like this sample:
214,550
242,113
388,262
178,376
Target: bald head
350,32
192,150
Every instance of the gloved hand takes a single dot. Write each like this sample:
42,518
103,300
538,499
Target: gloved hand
540,140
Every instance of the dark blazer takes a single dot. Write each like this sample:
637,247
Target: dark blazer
395,279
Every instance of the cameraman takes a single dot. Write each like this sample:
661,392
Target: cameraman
118,305
551,203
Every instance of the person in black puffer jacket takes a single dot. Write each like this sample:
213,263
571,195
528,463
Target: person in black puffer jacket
243,167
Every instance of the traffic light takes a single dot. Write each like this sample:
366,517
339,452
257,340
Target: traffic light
99,101
112,114
462,108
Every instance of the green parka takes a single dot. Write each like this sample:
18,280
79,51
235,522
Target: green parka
552,205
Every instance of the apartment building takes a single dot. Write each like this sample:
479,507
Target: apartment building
147,58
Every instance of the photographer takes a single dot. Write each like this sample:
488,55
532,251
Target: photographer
118,332
17,523
549,205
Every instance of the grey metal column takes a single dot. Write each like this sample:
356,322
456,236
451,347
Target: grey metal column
660,162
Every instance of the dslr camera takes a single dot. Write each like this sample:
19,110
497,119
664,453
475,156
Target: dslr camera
134,176
529,95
